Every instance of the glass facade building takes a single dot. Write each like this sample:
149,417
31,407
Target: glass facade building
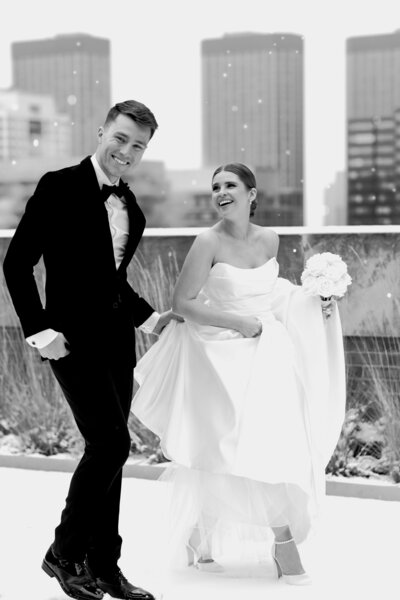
252,103
373,129
75,70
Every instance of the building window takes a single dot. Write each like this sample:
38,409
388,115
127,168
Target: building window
385,137
362,138
360,162
361,210
384,160
35,127
360,150
356,198
384,149
361,126
383,210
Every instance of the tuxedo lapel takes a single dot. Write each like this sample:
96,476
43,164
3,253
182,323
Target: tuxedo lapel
136,227
86,173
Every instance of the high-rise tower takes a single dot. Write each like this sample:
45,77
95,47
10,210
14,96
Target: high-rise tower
373,129
253,113
75,70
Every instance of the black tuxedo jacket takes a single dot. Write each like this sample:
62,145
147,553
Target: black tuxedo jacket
87,298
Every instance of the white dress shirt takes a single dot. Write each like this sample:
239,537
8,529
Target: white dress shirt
117,214
119,227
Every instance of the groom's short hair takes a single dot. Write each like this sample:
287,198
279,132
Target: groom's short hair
137,111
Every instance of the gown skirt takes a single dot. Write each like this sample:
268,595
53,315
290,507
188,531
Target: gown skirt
248,424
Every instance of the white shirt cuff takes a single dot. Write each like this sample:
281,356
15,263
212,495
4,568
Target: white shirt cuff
42,338
149,325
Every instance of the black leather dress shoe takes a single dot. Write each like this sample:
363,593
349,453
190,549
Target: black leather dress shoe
73,577
118,586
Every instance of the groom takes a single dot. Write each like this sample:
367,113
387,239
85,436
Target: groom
85,223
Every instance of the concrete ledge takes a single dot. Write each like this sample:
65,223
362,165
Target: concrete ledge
359,487
21,461
292,230
133,468
356,487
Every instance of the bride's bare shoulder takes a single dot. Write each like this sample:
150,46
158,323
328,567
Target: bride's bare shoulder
204,246
207,237
265,233
269,238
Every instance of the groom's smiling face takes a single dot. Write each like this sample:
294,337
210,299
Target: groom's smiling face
121,144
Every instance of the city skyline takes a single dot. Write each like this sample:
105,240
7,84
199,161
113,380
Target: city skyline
156,59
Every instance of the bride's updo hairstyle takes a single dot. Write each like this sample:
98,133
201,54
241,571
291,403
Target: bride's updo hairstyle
246,176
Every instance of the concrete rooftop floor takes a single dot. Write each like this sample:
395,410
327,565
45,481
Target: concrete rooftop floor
355,553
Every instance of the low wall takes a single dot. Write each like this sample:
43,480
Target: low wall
372,304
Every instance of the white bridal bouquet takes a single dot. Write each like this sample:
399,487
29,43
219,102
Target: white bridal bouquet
325,275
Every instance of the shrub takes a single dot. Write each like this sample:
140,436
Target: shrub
370,439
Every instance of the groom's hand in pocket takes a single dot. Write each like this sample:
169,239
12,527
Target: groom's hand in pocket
58,348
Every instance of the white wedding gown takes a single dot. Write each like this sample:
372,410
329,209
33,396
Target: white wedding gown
248,423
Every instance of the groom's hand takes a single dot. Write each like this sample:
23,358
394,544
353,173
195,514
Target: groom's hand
164,319
58,348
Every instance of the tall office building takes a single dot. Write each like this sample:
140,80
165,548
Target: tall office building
30,127
373,129
253,113
75,70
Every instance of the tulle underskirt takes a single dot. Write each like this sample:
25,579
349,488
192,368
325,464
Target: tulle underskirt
232,515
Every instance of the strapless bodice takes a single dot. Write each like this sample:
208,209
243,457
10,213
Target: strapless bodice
244,291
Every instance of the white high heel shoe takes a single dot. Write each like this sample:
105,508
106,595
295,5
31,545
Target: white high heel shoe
200,563
290,579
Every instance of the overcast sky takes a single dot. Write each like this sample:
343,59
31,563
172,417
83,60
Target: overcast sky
155,48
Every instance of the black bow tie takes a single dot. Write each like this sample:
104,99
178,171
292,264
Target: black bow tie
119,190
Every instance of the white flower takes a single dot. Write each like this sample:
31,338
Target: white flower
325,275
342,284
325,287
335,271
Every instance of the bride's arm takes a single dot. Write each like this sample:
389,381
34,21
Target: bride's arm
193,276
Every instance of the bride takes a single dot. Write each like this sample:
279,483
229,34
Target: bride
247,394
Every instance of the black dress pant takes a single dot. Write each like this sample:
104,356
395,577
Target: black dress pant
99,392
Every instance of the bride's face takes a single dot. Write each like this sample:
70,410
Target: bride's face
230,195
